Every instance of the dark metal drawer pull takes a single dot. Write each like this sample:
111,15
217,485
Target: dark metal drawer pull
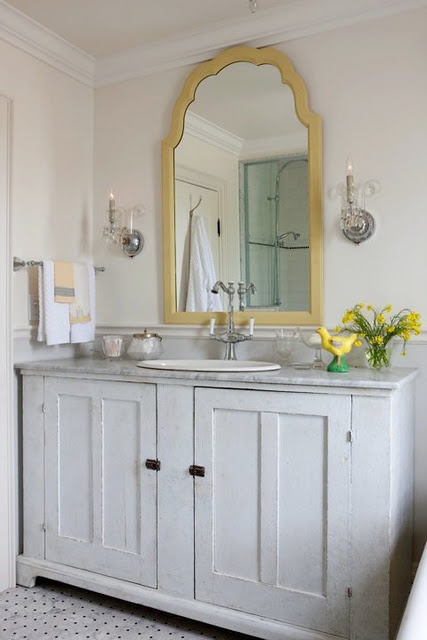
154,465
197,470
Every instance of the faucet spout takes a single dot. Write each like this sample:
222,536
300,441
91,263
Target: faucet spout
219,285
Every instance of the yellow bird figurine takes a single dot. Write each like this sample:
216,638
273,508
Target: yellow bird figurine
338,346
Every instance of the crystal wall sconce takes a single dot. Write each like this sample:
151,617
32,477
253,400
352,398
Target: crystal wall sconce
125,235
356,223
252,5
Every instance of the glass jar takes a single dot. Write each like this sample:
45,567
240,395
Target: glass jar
112,347
145,346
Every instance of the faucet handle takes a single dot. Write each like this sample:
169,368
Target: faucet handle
211,326
251,326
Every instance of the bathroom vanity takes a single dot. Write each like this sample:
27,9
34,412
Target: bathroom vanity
278,504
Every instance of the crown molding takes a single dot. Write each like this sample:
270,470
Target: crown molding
212,134
297,19
30,36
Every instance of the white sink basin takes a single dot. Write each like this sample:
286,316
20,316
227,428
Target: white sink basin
236,366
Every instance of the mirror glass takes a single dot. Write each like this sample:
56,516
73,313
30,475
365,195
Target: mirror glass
241,192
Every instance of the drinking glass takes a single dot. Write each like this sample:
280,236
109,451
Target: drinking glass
285,343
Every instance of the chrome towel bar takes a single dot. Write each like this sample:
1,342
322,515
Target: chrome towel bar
18,263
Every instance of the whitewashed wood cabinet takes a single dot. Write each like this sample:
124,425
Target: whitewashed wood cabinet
100,498
272,513
279,508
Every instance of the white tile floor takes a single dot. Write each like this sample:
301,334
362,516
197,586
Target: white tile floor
52,610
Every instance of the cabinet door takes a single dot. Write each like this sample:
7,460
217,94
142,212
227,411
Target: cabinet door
100,498
272,512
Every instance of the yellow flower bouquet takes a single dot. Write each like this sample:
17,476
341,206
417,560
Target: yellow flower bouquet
378,328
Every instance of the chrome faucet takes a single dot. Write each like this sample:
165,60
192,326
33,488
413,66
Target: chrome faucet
230,336
242,291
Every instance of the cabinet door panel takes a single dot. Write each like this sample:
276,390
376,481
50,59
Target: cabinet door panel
122,494
272,512
101,511
75,446
302,503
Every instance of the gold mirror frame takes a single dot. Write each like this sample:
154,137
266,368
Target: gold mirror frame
314,127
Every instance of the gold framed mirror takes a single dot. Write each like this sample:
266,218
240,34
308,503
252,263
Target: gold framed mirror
288,142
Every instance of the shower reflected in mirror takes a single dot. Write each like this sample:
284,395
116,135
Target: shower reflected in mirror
274,216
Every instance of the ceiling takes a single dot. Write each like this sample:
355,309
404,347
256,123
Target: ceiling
106,27
102,41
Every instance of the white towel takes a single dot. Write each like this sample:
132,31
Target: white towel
54,321
202,271
85,332
80,306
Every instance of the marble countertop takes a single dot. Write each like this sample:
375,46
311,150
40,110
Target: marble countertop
356,378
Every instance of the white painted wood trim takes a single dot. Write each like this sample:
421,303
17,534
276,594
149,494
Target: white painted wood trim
266,28
281,24
7,449
28,568
30,36
212,134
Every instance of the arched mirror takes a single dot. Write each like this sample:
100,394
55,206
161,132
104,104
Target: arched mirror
242,192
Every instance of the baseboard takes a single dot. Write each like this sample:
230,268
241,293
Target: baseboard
28,569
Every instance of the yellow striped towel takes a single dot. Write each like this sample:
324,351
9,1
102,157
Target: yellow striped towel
64,290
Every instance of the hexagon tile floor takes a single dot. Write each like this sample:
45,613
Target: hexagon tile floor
51,611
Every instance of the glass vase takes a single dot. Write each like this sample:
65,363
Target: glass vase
378,356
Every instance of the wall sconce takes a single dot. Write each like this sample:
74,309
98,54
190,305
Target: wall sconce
130,239
356,223
252,5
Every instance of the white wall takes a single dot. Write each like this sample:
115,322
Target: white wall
130,121
50,212
52,166
369,83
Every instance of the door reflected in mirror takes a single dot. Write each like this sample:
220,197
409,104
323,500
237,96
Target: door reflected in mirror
241,191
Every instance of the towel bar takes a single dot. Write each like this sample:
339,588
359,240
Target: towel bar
18,263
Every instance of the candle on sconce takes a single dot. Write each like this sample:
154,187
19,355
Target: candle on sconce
349,173
111,208
349,180
111,202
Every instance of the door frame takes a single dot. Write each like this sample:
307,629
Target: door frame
7,449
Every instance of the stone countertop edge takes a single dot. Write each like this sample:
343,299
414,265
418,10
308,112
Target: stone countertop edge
362,378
